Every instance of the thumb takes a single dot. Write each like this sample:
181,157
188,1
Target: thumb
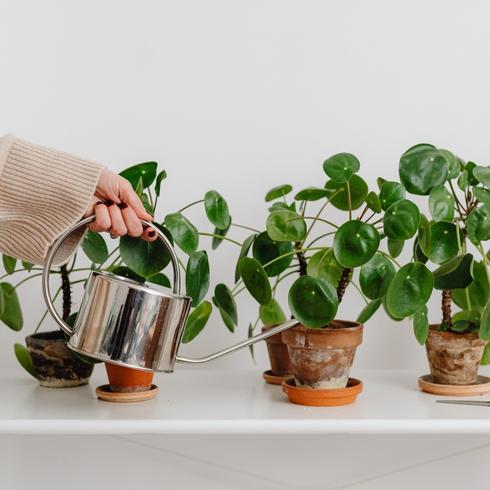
130,197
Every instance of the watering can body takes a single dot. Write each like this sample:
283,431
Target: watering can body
122,321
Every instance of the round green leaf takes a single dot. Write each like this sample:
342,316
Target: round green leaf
126,272
217,209
146,171
255,280
470,168
243,253
443,242
197,321
225,301
369,310
418,254
286,226
216,242
409,290
272,313
161,279
463,180
311,194
373,202
401,220
478,224
422,168
375,276
341,167
423,238
183,232
144,258
9,263
95,247
339,195
355,243
313,301
478,291
197,276
324,264
395,247
277,192
278,206
390,193
453,163
482,174
24,358
441,204
160,177
265,250
421,325
483,195
456,273
12,313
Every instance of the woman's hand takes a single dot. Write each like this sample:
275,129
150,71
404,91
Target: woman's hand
118,208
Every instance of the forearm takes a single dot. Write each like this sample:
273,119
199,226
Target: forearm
42,192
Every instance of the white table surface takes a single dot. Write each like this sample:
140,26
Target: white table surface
199,401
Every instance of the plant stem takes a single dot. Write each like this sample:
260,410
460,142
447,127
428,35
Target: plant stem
108,257
214,235
391,258
446,307
28,278
315,219
360,292
343,283
320,237
245,227
370,216
349,199
189,205
318,214
66,288
301,259
46,312
458,204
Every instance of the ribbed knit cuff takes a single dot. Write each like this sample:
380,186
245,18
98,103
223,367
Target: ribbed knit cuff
42,193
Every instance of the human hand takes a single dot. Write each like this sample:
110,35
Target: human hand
118,209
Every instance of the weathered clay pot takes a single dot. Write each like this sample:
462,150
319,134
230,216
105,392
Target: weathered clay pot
55,365
278,354
454,358
321,358
128,380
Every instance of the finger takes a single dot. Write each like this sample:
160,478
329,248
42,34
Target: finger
150,234
132,222
102,218
118,228
130,197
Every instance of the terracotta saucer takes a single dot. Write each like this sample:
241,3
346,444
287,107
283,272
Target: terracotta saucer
333,397
272,379
104,392
481,387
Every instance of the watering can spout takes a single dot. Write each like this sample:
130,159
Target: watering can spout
240,345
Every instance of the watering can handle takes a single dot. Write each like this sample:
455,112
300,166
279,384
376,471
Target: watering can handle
48,261
240,345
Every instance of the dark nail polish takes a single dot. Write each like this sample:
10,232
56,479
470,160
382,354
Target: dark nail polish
97,203
151,233
123,205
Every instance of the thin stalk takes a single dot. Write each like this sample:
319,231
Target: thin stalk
325,204
315,219
189,205
108,257
360,292
214,235
458,203
349,200
370,217
320,237
391,258
245,227
28,278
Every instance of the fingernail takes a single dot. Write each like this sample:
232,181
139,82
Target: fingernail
109,203
123,205
97,203
151,233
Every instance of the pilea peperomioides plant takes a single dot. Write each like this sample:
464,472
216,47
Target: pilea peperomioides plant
302,238
132,258
458,199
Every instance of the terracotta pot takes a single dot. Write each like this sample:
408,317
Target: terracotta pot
55,365
454,358
321,358
278,354
128,380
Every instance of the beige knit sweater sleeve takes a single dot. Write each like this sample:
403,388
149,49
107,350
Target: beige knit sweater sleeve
42,193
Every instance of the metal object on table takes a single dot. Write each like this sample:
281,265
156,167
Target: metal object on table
122,321
478,403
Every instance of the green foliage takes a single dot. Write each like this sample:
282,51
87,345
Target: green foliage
375,276
147,172
255,280
456,273
441,204
311,194
247,243
12,313
390,193
197,321
266,250
443,242
401,220
9,264
339,193
341,167
369,310
95,247
217,210
25,359
183,232
197,276
285,225
271,314
421,325
324,264
355,243
277,192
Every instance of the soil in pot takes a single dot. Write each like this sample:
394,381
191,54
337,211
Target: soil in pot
454,358
55,365
322,358
123,379
278,354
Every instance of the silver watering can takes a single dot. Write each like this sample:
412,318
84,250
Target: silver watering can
122,321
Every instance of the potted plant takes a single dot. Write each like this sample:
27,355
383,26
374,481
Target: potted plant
458,227
326,257
132,258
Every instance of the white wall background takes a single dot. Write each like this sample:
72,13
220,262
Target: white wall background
243,95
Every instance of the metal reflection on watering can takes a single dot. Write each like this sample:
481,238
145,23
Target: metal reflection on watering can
124,322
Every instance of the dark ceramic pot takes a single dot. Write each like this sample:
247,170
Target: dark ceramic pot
55,365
